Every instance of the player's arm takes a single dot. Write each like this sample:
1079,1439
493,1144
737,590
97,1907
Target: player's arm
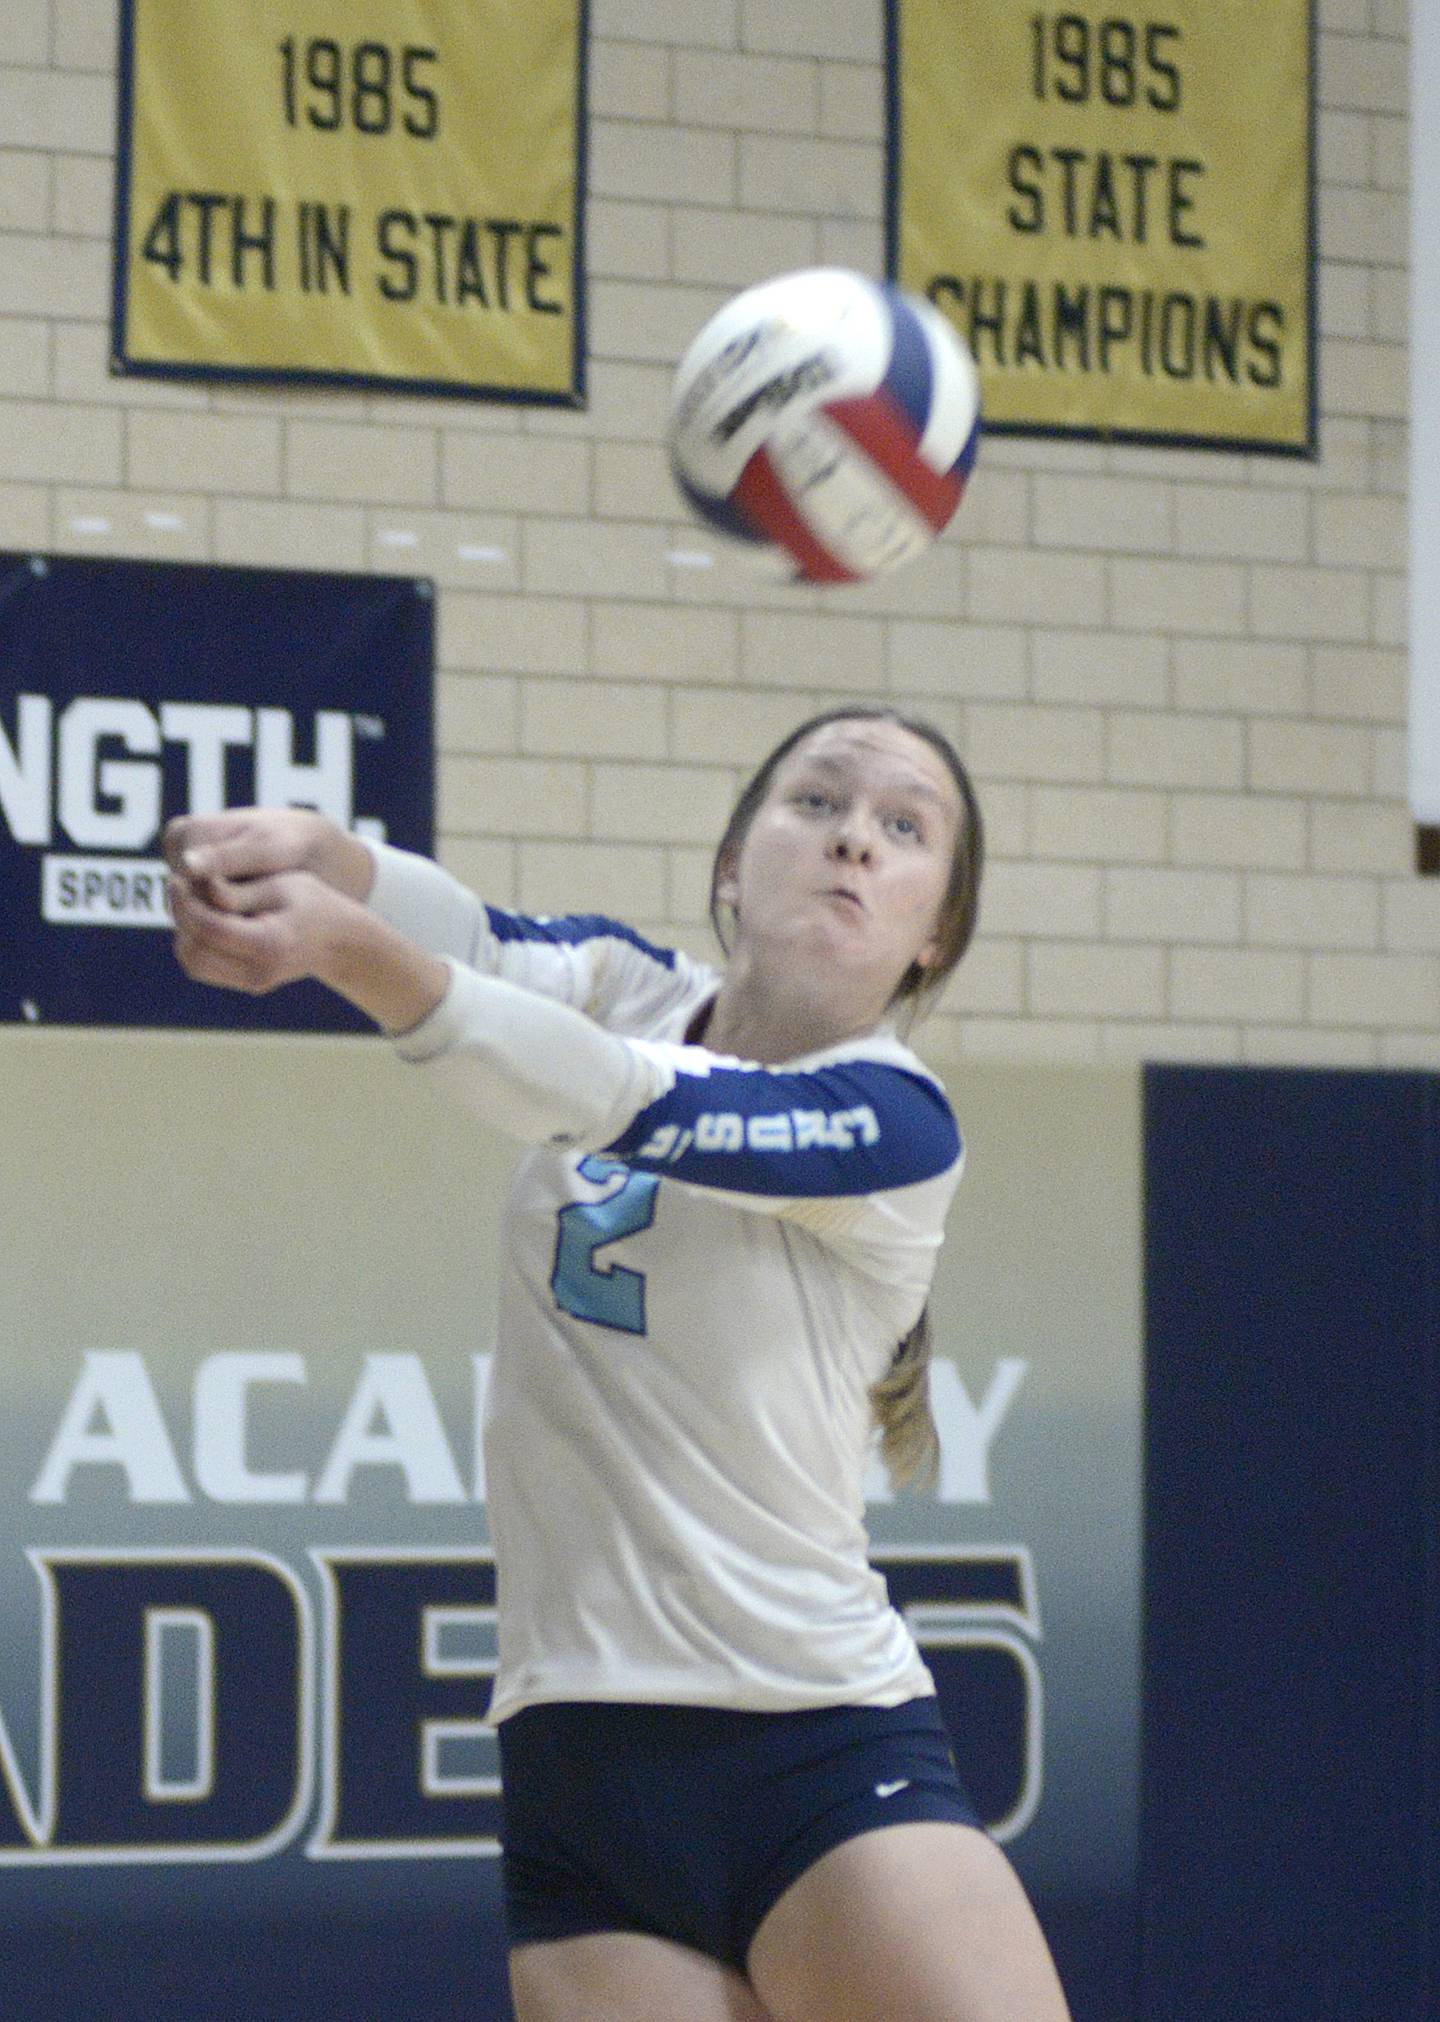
265,930
416,897
527,1065
821,1145
531,1067
862,1154
843,1130
592,963
539,1070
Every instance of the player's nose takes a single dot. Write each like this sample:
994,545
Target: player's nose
851,842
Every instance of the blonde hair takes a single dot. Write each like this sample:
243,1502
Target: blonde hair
909,1442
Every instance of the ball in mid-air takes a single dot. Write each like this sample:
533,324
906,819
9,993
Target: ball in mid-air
827,422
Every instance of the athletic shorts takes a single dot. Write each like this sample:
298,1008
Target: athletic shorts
691,1822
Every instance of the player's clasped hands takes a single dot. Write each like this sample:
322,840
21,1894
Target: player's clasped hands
251,911
245,842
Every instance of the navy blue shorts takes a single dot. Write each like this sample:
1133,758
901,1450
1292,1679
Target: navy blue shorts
691,1822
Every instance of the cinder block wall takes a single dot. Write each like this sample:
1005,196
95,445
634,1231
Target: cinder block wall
1178,676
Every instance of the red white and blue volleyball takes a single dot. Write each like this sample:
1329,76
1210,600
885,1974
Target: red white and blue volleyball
826,422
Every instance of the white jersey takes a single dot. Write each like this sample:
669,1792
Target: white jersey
707,1264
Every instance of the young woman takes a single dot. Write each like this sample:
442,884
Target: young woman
728,1794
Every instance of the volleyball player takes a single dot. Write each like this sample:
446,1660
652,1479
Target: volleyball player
728,1795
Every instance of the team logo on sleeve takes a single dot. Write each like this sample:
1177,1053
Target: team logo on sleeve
783,1130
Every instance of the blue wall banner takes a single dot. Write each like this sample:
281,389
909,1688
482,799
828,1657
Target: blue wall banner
246,1588
137,691
1291,1816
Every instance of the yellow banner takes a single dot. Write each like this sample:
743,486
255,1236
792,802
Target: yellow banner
386,193
1114,207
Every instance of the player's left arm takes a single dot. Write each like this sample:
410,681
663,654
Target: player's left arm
862,1153
840,1130
778,1140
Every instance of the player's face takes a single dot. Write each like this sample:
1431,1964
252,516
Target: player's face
847,860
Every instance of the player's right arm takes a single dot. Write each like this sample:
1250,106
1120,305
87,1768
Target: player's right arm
409,892
593,964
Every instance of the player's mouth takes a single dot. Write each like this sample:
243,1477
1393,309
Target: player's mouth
853,899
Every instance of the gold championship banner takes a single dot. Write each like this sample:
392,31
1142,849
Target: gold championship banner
1114,206
384,194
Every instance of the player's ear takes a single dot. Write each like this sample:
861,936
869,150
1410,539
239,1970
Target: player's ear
727,881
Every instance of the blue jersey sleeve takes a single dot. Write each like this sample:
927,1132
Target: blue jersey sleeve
571,930
856,1127
598,965
593,963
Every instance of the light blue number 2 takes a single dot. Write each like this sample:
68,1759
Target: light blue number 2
610,1295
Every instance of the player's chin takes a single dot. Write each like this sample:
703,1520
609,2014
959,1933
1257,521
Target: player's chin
852,965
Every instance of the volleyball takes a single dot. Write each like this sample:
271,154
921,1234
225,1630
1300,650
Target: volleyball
827,423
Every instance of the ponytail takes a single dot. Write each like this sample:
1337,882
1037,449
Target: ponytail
909,1443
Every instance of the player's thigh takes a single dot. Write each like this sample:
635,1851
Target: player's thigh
923,1922
625,1976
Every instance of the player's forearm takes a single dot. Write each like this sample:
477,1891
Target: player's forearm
425,903
528,1066
375,968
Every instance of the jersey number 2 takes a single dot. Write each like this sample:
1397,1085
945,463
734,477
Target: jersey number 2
608,1294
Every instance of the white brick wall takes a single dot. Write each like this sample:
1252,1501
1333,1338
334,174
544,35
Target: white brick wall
1172,905
25,358
1179,677
1241,676
756,94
